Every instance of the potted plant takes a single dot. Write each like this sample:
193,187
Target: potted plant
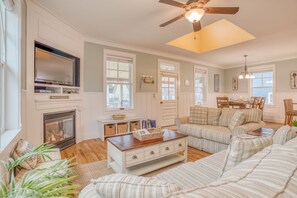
294,125
55,181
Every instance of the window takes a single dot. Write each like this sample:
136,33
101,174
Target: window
169,87
2,64
263,84
200,85
119,79
11,36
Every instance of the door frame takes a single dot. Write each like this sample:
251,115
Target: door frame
177,72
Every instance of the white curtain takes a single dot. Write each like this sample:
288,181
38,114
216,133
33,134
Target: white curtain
8,4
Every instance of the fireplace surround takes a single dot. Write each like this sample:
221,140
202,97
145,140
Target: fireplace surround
59,128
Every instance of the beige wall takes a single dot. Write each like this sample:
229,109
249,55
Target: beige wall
145,64
282,80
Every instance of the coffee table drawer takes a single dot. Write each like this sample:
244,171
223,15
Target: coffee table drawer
134,158
151,152
167,148
180,145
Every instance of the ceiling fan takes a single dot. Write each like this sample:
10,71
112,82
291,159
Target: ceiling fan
195,10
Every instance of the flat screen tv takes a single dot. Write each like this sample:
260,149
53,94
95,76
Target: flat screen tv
53,66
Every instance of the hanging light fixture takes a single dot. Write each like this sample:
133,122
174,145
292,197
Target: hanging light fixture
245,74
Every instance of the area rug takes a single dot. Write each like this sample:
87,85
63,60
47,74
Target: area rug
94,170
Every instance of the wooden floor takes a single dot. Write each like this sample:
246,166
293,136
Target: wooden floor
95,150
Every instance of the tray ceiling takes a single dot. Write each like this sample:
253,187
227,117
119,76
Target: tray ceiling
136,23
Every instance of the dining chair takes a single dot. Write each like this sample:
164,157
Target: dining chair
261,103
223,102
289,111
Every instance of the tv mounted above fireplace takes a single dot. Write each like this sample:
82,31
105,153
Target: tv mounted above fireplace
55,67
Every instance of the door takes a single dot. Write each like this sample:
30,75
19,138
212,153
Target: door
169,97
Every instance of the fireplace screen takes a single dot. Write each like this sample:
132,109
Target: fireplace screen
59,129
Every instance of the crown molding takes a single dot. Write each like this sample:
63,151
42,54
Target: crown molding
272,61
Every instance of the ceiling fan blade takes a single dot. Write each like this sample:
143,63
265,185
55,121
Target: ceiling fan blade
173,3
191,1
172,20
197,26
221,10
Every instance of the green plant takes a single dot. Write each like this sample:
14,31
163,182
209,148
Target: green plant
55,181
294,123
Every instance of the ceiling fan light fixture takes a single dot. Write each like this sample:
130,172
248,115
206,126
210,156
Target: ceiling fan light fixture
194,15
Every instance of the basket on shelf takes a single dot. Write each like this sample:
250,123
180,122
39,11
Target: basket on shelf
148,134
118,116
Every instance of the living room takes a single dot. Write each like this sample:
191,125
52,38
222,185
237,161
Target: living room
126,62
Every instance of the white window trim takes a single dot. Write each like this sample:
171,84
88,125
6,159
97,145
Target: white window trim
107,52
12,129
264,68
177,64
206,70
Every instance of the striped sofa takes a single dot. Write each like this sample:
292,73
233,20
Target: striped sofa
271,172
214,134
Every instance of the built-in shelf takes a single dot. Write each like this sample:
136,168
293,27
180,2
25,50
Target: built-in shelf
40,88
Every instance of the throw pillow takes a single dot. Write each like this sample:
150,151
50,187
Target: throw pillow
243,147
23,147
198,115
121,185
213,116
226,116
236,120
283,134
252,115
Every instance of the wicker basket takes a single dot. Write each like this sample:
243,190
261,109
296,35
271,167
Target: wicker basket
154,134
118,116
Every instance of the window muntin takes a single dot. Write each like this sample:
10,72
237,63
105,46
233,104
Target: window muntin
119,82
262,85
169,88
168,67
200,86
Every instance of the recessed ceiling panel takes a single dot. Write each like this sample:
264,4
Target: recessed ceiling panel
217,35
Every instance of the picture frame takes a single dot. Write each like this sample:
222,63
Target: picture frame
293,80
234,84
216,82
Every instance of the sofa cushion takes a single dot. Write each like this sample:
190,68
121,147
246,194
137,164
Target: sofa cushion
121,185
193,174
291,143
198,115
271,172
22,148
226,116
216,133
213,116
252,115
192,129
236,120
283,134
243,147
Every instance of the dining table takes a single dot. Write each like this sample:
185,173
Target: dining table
239,104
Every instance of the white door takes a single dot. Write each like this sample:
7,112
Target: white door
168,104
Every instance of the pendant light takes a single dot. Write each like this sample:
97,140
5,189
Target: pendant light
245,74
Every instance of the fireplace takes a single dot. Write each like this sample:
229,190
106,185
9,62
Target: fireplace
59,129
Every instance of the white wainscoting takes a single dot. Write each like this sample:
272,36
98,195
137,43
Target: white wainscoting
146,107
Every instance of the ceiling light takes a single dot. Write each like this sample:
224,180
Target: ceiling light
194,15
245,74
